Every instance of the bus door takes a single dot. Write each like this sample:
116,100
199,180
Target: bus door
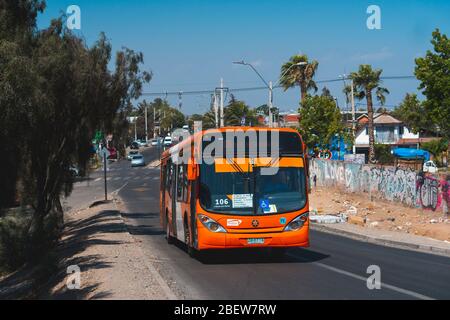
177,199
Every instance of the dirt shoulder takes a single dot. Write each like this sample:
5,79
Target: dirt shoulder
111,262
381,215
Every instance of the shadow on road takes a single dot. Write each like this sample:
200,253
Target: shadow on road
79,235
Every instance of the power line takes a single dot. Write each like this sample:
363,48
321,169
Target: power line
211,91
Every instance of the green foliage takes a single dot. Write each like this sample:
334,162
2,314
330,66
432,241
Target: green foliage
236,110
383,154
55,93
320,120
412,112
433,71
436,148
301,75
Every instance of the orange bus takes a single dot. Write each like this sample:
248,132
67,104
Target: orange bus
220,197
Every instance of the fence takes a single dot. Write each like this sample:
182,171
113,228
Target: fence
405,186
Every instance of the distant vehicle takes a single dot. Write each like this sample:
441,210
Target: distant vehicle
134,146
186,127
131,154
154,142
430,167
142,143
138,161
112,154
167,141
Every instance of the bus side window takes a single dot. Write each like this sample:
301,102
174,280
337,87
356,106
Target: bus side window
169,178
185,184
180,182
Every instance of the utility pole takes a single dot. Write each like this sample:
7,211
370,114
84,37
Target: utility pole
270,104
216,109
353,116
146,125
135,129
154,122
221,104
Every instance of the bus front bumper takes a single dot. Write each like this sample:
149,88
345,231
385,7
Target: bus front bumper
208,240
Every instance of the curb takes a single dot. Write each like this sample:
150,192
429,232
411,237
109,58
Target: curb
384,242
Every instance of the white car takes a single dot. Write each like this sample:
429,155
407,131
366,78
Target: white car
154,142
167,141
430,167
138,161
131,154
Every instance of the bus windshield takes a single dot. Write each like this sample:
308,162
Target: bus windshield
248,193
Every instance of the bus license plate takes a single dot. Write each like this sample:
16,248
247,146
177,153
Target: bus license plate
255,241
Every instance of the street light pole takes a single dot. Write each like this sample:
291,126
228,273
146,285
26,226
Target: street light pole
269,85
146,125
221,104
270,104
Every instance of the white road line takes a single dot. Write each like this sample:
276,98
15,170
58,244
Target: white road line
98,179
355,276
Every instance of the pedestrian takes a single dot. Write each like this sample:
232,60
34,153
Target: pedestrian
315,181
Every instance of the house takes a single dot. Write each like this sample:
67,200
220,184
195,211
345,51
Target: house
289,119
387,129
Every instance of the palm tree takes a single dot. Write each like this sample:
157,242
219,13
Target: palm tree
293,75
236,110
366,80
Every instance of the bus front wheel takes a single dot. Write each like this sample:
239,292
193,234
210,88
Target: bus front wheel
187,239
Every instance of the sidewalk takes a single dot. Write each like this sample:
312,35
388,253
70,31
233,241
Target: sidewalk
386,238
111,261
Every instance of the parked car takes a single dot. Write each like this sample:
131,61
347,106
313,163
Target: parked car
138,161
430,167
167,141
131,154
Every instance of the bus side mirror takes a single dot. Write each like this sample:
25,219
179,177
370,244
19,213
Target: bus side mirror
192,172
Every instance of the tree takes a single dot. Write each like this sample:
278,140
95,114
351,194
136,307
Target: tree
320,121
433,71
436,148
301,75
237,110
412,112
366,80
55,93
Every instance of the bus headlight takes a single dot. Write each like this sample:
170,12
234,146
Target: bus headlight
211,224
297,223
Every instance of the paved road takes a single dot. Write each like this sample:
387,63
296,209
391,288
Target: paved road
333,267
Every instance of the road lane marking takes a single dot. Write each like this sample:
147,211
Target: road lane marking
355,276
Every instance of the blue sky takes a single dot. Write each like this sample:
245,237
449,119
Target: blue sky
189,45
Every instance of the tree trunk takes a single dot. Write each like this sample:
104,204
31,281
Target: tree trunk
371,128
302,94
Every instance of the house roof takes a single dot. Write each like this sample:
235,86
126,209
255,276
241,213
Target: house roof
415,141
385,118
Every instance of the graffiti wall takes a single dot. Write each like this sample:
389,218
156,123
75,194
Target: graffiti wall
393,184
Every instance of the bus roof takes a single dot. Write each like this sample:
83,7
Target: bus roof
196,135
